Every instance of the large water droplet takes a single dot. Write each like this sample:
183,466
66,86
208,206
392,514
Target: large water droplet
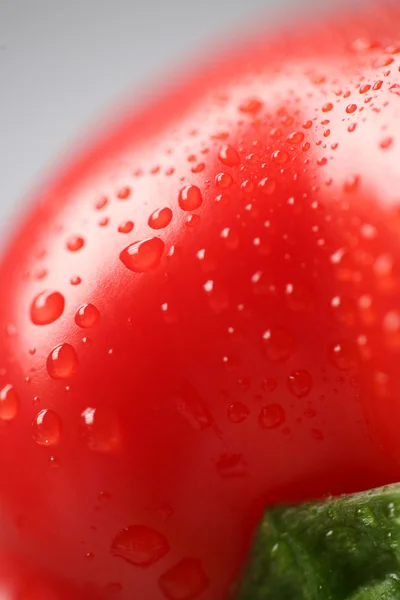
238,412
278,344
140,545
101,429
160,218
62,362
9,402
272,416
87,316
143,256
47,307
229,156
190,198
46,428
300,383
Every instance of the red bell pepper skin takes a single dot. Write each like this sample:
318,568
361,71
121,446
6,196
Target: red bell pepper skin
201,316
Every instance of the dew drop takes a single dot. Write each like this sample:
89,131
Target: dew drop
75,243
75,280
327,107
229,156
125,227
87,316
278,345
62,362
160,218
300,383
140,545
101,429
143,256
190,198
46,428
350,108
271,416
238,412
9,402
47,307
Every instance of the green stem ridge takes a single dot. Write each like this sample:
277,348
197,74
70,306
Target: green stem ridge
345,548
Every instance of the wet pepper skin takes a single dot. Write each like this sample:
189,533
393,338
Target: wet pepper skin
201,315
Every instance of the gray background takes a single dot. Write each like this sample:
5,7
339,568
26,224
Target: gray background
64,62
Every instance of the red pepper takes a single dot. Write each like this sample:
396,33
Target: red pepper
201,316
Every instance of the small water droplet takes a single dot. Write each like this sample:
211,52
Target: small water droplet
143,256
251,105
47,307
386,143
140,545
160,218
75,243
267,186
124,193
75,280
101,203
113,587
193,408
229,156
125,227
350,108
296,137
272,416
269,384
343,355
326,108
101,429
223,180
46,428
190,198
280,157
300,383
9,402
207,261
278,344
217,296
104,221
231,465
87,316
62,362
238,412
230,238
89,556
